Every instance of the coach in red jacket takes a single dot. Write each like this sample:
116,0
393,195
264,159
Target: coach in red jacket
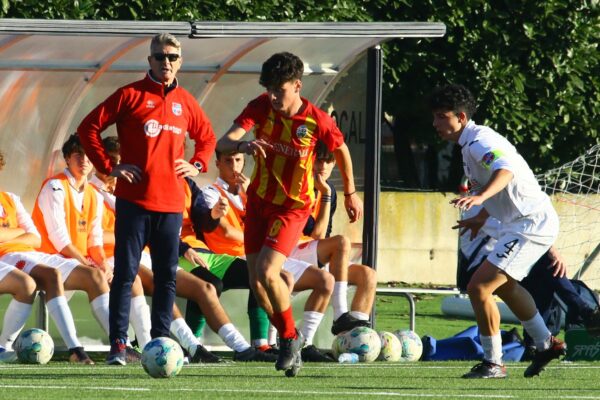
152,117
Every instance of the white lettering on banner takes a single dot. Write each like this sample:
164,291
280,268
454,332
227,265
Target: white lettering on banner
152,128
586,350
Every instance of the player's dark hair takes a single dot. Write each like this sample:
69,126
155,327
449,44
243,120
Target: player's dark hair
281,68
322,152
72,145
111,144
455,98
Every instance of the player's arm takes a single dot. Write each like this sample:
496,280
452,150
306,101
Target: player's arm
95,239
232,142
230,232
201,132
322,221
498,181
26,232
352,203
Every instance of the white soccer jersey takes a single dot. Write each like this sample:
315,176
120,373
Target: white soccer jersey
485,151
212,195
109,198
23,218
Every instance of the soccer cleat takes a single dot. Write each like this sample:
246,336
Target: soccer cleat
7,356
289,358
267,348
486,370
310,353
542,358
202,355
78,356
346,322
592,323
132,354
118,353
252,354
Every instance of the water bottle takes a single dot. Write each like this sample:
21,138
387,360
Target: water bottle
348,358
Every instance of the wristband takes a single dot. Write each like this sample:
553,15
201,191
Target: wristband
349,194
239,145
325,198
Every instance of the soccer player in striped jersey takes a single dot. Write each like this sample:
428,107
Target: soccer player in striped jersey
286,129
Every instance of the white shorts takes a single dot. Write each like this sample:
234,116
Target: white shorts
145,261
5,269
307,252
296,267
523,242
29,259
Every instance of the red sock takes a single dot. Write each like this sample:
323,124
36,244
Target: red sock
284,323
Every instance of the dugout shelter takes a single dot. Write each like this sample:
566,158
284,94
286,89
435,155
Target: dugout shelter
53,72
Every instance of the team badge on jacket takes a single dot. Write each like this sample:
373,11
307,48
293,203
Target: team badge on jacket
176,108
301,131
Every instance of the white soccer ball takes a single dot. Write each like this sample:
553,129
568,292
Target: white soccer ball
365,342
34,346
412,347
339,345
162,358
391,348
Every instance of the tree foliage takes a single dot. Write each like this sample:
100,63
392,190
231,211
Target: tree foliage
533,65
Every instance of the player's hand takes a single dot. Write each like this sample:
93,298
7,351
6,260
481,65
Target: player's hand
129,172
258,147
558,263
465,203
321,185
220,209
184,168
473,224
195,258
242,181
354,207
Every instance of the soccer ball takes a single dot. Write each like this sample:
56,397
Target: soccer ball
339,345
162,358
34,346
412,347
365,342
391,348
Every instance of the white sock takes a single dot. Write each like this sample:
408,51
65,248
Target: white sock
310,323
139,317
184,335
360,315
260,342
233,338
339,299
100,311
492,348
538,331
15,316
272,335
61,315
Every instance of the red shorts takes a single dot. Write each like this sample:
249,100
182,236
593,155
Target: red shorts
273,226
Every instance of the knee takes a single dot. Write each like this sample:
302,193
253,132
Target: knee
369,277
477,292
28,288
342,243
97,280
327,282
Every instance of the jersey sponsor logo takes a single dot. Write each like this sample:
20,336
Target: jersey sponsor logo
150,104
302,131
488,158
177,109
152,128
290,151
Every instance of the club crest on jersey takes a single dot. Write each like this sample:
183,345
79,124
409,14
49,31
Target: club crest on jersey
488,158
152,128
302,131
177,109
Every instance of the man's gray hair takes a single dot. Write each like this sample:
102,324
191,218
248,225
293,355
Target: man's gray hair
164,39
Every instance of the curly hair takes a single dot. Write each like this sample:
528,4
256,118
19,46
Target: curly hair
279,69
455,98
72,145
323,153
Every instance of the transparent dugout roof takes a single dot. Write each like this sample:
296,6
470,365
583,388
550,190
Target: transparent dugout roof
52,73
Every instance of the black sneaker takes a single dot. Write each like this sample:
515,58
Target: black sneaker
289,358
310,353
117,354
486,370
78,356
346,322
542,358
132,354
252,354
592,323
202,355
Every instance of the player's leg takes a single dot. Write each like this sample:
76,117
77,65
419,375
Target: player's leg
193,314
320,282
22,287
139,313
365,280
50,280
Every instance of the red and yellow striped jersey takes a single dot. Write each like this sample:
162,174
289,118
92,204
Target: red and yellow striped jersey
285,177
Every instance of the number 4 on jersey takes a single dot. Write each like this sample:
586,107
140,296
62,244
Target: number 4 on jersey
509,248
